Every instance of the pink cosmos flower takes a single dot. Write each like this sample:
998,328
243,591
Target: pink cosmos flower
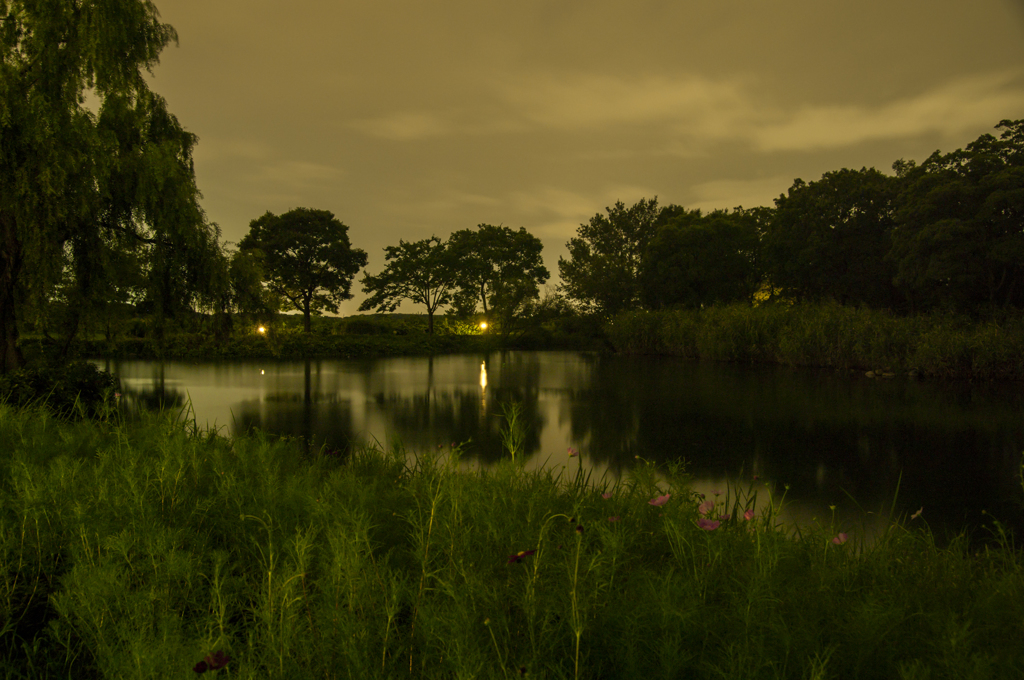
660,500
918,513
606,496
705,507
840,539
725,518
749,514
614,519
573,452
708,524
520,555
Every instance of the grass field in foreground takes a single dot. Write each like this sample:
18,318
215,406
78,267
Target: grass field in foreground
156,550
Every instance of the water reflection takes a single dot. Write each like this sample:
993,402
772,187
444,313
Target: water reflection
953,449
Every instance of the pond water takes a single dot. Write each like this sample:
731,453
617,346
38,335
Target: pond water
843,440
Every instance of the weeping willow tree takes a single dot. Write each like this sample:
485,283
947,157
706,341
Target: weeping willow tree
97,203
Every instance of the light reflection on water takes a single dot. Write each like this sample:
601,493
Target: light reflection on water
827,436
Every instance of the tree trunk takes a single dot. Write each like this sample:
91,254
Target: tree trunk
430,321
305,311
10,269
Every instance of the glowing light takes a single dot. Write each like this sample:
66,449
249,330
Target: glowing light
261,330
483,375
483,325
261,371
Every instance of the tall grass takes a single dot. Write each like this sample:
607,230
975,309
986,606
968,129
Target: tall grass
155,550
829,335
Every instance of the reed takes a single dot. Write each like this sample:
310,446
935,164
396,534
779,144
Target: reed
830,335
157,550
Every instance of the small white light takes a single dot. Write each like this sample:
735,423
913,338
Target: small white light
261,329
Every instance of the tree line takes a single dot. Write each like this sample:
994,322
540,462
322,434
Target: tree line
306,259
100,218
944,235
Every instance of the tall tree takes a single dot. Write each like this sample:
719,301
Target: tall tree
602,273
307,258
422,272
697,260
73,183
829,238
500,268
959,237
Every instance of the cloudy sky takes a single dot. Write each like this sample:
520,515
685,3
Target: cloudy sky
408,118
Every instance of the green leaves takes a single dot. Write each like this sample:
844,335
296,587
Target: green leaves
307,258
79,192
959,237
500,268
422,272
606,258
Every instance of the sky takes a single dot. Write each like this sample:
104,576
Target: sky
408,119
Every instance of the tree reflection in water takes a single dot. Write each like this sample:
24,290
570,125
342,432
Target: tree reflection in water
825,434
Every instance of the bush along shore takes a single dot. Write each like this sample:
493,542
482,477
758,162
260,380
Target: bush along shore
331,338
830,335
289,345
158,550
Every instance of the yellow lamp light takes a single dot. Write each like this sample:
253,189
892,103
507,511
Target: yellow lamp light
261,330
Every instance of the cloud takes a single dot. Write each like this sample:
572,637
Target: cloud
296,173
588,101
217,148
694,112
404,126
949,109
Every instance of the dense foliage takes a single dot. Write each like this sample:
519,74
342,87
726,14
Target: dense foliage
945,235
96,209
306,258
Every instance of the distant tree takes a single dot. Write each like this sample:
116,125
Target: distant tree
422,272
959,236
829,238
606,258
76,187
500,268
697,260
306,258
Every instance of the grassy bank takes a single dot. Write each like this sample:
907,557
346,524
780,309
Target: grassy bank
830,335
155,550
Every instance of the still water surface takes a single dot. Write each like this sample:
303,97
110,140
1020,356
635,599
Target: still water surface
834,439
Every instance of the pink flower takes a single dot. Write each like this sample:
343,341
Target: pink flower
573,452
606,496
725,518
705,507
708,524
660,500
840,539
717,493
520,555
918,513
749,514
614,519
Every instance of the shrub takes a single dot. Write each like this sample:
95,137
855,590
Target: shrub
75,390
